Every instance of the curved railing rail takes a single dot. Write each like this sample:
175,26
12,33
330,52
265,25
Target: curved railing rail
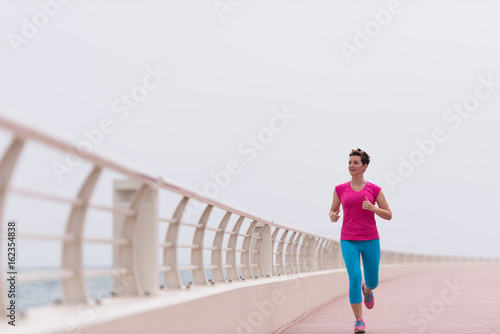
263,249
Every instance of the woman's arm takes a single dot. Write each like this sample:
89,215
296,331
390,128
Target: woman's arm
383,210
335,209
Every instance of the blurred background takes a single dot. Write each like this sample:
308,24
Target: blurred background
280,91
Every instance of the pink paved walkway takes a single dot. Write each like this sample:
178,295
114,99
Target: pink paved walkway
453,301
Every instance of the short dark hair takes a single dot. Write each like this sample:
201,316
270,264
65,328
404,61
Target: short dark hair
365,158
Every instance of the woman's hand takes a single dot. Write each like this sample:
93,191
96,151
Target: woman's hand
334,215
367,205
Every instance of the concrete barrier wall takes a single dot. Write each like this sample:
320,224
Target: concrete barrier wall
254,307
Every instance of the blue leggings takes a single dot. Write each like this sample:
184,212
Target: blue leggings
370,251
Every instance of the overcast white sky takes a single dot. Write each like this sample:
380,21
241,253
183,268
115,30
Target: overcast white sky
379,75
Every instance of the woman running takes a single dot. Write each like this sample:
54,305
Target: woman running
359,235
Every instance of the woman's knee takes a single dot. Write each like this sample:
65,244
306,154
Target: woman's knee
355,279
371,284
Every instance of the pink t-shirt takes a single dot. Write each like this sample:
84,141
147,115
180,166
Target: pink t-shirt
358,223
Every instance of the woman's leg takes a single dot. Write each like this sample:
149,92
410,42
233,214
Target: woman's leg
370,251
351,255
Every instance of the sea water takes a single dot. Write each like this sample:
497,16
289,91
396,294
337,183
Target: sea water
40,293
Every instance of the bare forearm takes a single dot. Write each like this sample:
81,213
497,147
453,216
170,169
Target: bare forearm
382,213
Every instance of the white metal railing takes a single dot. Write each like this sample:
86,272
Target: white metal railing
267,248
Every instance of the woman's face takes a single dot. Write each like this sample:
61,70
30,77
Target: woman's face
355,165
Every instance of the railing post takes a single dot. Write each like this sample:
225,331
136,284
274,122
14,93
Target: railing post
325,245
328,255
266,252
274,257
199,273
320,255
311,254
295,255
332,256
232,271
263,246
302,264
173,276
140,256
289,262
315,256
74,288
281,257
217,259
246,254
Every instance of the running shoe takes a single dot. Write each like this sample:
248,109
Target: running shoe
359,326
368,297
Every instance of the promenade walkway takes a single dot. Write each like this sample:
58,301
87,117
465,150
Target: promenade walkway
453,301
